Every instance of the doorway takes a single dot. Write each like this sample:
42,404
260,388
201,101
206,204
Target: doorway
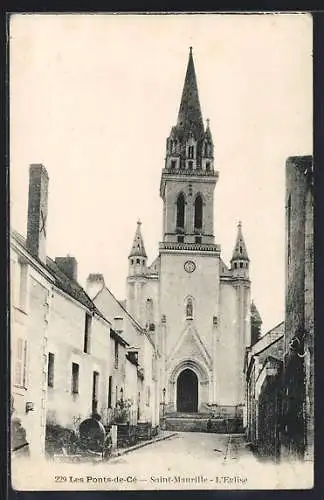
187,392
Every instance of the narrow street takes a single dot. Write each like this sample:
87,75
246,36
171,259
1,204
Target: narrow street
194,448
191,456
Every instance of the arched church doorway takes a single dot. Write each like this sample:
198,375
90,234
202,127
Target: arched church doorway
187,392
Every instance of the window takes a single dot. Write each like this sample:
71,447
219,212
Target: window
173,164
241,265
180,239
20,367
95,391
109,391
132,261
289,229
235,265
180,210
50,370
189,308
198,212
23,286
116,354
19,278
138,261
198,239
75,378
190,165
241,250
191,151
208,166
87,332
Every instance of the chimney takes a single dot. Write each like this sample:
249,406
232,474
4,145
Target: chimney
118,324
37,211
95,283
69,266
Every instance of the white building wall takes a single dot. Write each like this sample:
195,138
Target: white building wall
30,293
66,342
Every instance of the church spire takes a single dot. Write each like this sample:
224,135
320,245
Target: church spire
189,116
138,249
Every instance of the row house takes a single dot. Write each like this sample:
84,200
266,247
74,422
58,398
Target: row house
141,347
60,347
263,372
69,360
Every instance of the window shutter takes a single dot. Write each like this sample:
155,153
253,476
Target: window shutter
21,363
25,364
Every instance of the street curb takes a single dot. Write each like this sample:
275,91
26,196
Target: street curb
141,445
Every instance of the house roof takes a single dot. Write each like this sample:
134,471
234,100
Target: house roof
63,282
114,335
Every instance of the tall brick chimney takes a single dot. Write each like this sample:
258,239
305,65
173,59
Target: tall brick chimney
37,211
69,266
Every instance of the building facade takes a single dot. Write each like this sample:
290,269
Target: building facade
141,343
195,306
263,372
298,375
69,360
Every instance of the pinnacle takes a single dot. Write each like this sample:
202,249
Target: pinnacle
138,248
240,250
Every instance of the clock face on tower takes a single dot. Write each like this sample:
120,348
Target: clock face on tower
190,266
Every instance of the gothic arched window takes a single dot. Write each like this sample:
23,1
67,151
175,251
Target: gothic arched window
189,308
180,210
198,212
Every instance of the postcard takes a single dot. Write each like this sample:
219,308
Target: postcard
161,251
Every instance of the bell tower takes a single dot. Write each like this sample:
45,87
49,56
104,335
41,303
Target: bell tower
188,178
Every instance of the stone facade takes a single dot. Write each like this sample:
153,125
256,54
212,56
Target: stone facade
298,404
263,375
197,307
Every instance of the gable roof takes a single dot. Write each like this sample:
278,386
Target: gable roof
63,282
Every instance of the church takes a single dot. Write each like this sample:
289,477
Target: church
195,306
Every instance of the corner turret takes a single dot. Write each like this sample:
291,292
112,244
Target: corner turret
240,260
137,257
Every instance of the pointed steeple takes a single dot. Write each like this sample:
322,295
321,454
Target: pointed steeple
189,116
240,251
138,249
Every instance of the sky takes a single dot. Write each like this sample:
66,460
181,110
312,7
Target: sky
94,97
